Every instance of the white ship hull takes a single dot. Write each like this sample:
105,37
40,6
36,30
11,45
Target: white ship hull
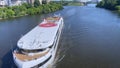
45,61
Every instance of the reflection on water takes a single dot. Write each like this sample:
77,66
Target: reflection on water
90,38
91,5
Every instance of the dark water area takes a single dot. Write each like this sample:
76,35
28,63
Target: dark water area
11,31
90,38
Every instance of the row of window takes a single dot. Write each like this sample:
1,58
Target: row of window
29,51
40,64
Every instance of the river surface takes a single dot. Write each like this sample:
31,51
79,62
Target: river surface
90,38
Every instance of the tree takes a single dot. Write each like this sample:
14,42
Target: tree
27,5
9,13
36,3
108,4
1,11
100,4
117,7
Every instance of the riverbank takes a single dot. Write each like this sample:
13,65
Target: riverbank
113,5
27,9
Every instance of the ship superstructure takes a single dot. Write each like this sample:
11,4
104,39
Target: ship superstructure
37,48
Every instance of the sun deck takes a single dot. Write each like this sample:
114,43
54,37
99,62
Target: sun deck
40,37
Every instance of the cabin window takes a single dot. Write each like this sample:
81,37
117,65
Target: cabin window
51,46
29,51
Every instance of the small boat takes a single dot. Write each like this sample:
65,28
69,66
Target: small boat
37,48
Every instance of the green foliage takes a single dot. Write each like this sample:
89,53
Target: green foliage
101,4
22,10
40,10
27,5
36,3
3,12
108,4
46,8
16,10
27,9
9,13
30,11
117,7
118,1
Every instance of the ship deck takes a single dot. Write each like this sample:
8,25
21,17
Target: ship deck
42,36
24,57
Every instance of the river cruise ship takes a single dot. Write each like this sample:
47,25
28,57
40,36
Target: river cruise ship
37,48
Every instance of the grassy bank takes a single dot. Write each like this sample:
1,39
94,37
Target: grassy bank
27,9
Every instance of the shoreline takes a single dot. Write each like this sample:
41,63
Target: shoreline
24,10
